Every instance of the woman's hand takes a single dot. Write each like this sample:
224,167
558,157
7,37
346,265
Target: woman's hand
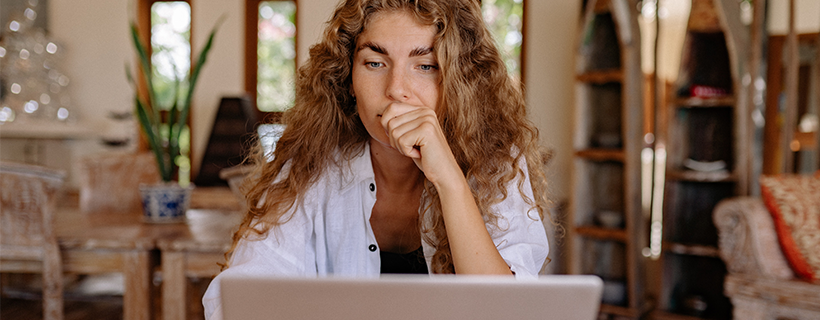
414,131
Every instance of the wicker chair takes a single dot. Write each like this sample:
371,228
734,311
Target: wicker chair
760,282
27,236
110,182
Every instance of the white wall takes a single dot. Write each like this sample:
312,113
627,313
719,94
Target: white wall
223,74
551,33
94,34
96,39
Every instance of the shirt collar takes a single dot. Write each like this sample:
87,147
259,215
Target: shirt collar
359,169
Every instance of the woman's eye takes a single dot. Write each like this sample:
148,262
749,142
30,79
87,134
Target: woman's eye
428,67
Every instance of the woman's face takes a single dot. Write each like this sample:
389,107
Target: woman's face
394,62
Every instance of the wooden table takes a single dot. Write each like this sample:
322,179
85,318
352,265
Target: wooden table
194,253
104,242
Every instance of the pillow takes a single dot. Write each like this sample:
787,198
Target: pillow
794,202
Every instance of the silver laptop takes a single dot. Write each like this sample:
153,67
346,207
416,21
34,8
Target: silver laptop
564,297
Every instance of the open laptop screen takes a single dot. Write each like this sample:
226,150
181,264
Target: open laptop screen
412,297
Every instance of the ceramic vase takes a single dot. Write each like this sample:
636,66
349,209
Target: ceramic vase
165,202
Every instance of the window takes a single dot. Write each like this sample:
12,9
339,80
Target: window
270,55
170,49
505,19
270,63
168,26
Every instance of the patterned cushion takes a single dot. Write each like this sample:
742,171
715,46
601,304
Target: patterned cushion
794,202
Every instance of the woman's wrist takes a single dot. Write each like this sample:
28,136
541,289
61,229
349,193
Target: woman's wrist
453,183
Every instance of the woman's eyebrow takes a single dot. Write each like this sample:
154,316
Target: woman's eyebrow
372,46
421,51
417,52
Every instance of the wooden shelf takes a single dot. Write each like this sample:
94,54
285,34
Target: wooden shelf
692,249
602,233
698,176
601,154
601,76
692,102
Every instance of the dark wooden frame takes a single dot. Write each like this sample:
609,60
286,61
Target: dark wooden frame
775,84
251,41
144,31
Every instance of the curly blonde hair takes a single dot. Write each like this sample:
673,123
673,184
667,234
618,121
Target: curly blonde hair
481,111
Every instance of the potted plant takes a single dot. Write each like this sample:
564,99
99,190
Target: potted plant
162,126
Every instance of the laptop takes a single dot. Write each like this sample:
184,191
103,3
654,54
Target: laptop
565,297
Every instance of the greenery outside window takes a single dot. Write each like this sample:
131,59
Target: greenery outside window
170,39
270,55
276,53
505,19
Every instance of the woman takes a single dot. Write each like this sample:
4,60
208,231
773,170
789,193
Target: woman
407,136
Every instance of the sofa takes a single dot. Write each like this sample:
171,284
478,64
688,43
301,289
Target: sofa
772,266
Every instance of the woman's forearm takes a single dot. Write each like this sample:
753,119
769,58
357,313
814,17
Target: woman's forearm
472,247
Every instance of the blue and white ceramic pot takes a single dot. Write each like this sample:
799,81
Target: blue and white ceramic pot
165,202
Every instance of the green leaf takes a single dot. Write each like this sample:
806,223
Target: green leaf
195,69
153,137
148,113
174,124
145,66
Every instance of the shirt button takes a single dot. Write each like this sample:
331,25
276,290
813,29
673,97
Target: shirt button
372,187
372,248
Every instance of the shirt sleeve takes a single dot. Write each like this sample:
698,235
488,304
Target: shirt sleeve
284,251
519,235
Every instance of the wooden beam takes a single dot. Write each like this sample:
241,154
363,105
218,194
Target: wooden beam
816,75
792,80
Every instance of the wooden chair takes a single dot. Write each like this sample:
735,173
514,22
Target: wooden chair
27,200
110,182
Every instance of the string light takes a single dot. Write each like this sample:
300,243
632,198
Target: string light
31,72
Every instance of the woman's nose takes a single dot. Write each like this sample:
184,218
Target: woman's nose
397,86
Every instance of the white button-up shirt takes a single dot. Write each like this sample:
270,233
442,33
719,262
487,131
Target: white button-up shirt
329,233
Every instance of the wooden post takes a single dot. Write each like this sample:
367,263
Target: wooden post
816,132
792,73
173,287
137,304
755,58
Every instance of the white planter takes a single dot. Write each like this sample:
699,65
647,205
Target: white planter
165,202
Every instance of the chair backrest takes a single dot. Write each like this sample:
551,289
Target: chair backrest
27,200
27,205
110,182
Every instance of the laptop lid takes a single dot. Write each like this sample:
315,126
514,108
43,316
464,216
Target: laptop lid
412,297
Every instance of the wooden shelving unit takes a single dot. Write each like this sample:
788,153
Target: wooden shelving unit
698,157
605,228
701,126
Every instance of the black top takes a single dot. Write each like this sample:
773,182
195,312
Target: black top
412,262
